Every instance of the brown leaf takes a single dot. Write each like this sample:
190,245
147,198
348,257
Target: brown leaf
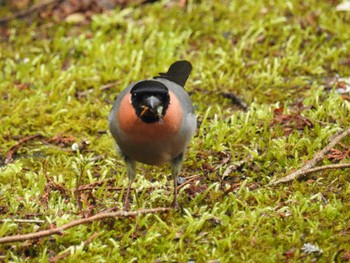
62,140
346,256
22,86
196,189
208,168
289,253
278,111
292,121
338,155
345,97
44,199
225,157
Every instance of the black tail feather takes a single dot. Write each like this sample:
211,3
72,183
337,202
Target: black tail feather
178,72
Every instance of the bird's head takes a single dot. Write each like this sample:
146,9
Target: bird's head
150,100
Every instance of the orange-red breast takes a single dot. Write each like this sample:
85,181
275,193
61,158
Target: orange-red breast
153,121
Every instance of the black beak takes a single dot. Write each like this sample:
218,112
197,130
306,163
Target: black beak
152,103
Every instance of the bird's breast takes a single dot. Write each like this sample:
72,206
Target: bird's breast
136,131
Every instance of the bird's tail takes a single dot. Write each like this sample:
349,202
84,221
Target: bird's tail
178,72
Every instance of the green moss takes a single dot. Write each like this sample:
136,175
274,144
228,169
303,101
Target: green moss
270,54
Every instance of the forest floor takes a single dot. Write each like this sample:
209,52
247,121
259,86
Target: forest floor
270,84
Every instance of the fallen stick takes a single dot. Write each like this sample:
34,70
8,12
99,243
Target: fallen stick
14,149
327,167
190,179
318,157
60,229
30,221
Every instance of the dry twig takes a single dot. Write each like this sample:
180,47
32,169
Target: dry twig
109,85
14,149
59,230
327,167
93,185
30,221
318,157
189,180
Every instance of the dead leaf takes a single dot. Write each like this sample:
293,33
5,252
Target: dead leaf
346,256
62,140
208,167
345,97
194,189
338,155
22,86
293,121
290,253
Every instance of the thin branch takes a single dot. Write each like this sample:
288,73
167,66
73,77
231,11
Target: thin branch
190,179
30,221
95,184
318,157
15,148
32,9
99,216
109,85
327,167
107,188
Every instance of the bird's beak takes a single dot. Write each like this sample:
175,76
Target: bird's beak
152,104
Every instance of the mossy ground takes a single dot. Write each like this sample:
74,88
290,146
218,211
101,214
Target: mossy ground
272,54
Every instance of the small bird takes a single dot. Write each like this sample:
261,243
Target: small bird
153,121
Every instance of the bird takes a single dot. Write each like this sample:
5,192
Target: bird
152,122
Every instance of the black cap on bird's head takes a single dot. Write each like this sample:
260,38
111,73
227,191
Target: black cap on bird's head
150,100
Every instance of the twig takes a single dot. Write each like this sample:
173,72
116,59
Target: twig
95,184
99,216
14,149
190,179
318,157
30,221
107,188
235,100
109,85
32,9
92,186
327,167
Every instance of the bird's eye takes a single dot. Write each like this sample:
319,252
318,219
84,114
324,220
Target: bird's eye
133,95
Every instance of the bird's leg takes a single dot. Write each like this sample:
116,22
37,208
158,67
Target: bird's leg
176,167
131,170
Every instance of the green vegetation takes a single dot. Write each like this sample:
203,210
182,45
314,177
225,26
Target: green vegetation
272,54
